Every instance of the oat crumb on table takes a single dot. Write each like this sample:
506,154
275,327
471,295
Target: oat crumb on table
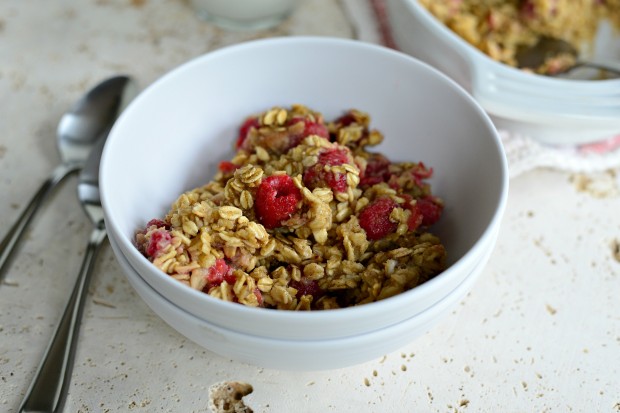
227,397
599,185
615,249
102,302
550,309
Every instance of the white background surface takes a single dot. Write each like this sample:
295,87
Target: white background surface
540,332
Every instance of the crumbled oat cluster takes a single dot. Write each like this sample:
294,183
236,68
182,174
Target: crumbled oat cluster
499,27
303,217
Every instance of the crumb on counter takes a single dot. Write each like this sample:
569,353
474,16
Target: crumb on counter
615,250
227,397
599,185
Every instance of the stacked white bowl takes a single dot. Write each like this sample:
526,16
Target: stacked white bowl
301,353
552,110
171,138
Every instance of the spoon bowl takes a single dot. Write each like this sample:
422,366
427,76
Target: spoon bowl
90,117
548,48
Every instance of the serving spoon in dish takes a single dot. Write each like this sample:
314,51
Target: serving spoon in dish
547,47
76,135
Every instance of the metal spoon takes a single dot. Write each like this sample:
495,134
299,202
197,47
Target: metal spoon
547,47
77,133
48,390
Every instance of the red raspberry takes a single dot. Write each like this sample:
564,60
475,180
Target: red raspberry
245,129
425,211
431,208
306,286
528,10
375,218
334,157
377,170
227,167
420,172
313,128
276,200
310,128
415,220
316,176
158,223
160,239
312,178
218,273
345,120
259,296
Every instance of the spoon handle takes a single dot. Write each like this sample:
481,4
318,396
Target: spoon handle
612,67
48,390
14,235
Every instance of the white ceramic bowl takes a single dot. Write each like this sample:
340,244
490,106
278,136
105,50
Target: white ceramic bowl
552,110
172,136
300,355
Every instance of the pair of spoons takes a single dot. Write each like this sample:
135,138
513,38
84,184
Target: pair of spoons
80,137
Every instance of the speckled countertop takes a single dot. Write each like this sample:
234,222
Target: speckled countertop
540,332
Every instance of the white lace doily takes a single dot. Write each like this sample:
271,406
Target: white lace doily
525,154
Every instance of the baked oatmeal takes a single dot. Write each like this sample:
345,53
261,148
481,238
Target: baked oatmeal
303,217
500,28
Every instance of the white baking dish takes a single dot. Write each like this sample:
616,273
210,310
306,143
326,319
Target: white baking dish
551,110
